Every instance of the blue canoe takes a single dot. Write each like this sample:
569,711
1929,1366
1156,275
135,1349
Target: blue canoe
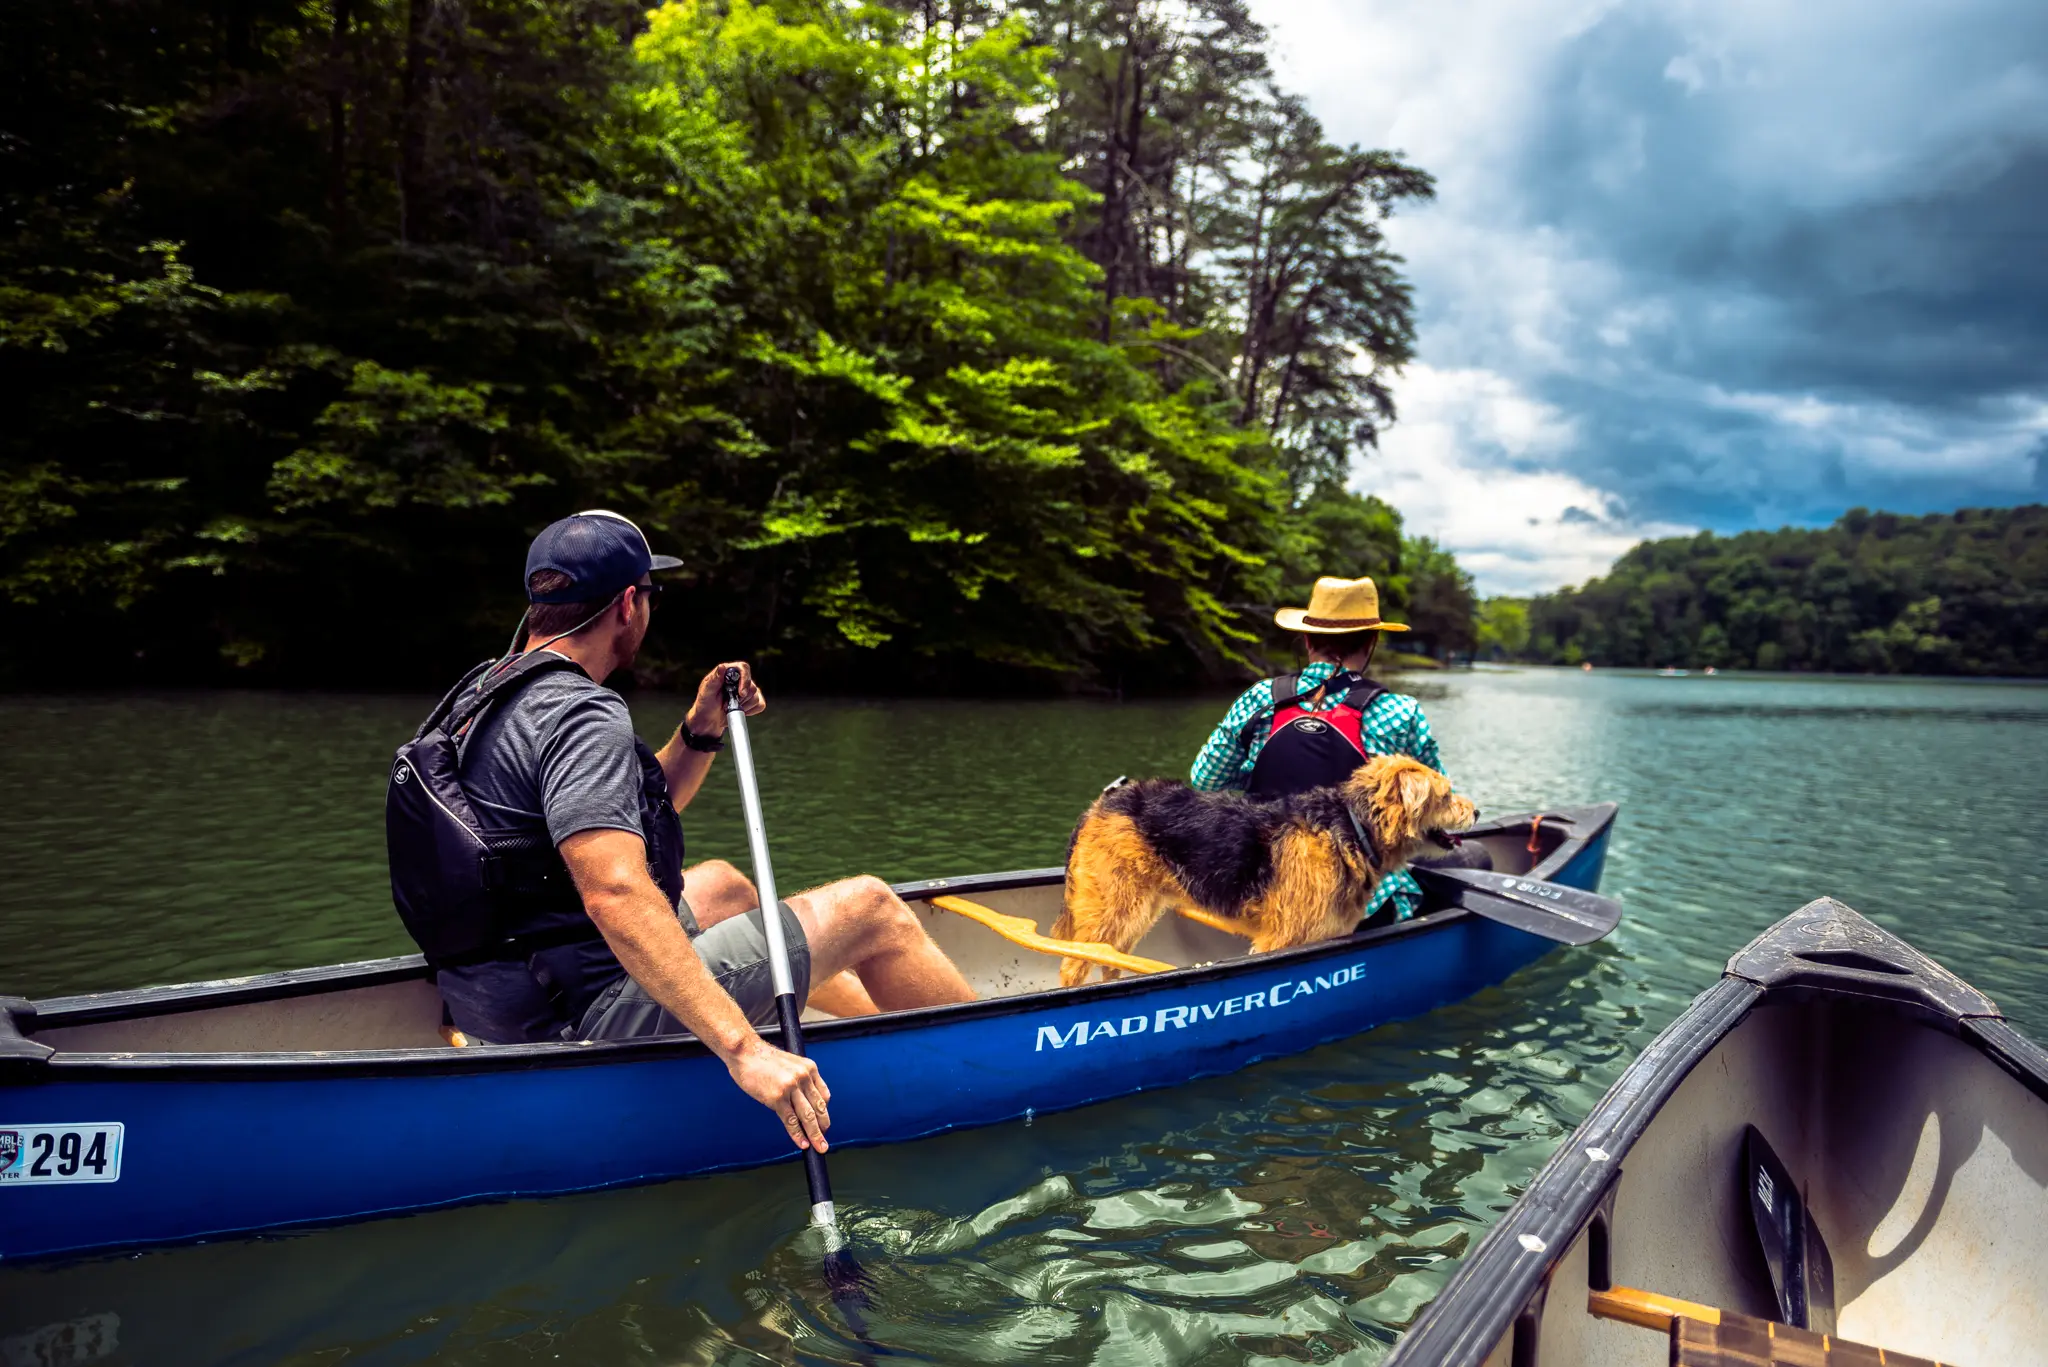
329,1094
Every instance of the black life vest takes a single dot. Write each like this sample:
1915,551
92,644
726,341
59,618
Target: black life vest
467,897
1307,749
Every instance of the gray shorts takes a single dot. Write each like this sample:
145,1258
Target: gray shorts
736,953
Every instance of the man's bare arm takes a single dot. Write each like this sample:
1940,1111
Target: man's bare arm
610,871
683,767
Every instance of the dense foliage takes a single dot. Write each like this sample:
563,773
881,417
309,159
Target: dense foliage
1442,609
1503,629
940,340
1959,593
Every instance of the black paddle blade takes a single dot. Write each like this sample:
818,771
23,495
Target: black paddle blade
846,1279
1570,916
848,1283
1802,1272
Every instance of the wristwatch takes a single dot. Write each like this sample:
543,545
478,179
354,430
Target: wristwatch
693,741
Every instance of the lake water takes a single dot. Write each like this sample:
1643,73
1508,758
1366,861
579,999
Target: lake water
1300,1211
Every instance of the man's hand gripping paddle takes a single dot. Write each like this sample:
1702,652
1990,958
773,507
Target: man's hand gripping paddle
1570,916
843,1275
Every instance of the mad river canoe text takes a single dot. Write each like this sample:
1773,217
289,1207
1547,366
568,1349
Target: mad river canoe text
1180,1017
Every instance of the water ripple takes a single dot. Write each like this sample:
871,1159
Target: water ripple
1302,1211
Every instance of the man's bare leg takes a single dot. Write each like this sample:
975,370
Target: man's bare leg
842,995
718,892
858,924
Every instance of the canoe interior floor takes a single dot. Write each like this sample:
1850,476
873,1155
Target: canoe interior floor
407,1015
1924,1166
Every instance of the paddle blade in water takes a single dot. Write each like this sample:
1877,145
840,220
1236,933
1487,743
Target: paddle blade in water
847,1280
848,1284
1570,916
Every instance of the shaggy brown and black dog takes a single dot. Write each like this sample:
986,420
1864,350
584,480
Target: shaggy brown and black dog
1290,871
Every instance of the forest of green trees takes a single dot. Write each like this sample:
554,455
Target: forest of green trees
950,342
1954,593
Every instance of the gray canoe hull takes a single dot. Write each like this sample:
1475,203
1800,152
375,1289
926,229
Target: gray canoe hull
1913,1116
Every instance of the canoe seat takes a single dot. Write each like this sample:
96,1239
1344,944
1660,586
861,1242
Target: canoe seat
1706,1336
1019,930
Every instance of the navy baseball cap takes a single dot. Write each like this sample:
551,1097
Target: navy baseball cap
601,552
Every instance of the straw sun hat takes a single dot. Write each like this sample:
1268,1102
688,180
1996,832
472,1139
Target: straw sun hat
1337,606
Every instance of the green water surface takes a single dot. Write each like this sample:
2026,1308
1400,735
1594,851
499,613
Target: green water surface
1301,1211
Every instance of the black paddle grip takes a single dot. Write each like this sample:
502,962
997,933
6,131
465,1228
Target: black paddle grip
793,1040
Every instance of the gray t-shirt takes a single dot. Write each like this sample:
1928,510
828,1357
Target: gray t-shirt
555,760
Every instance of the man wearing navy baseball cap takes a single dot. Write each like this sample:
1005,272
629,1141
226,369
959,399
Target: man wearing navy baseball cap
583,923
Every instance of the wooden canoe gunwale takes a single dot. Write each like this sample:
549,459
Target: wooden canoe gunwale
1497,1296
22,1059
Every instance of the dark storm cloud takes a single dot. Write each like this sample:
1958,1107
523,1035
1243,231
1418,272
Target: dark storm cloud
1722,263
1897,273
1930,286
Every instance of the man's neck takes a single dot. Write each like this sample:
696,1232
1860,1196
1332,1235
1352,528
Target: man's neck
597,656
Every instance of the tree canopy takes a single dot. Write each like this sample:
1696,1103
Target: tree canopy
1949,593
940,340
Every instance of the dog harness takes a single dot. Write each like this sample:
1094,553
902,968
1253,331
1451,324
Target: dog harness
1307,749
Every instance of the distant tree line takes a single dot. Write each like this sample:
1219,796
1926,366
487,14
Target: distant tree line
1955,593
947,341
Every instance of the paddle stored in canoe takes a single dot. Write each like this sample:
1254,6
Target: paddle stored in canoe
1840,1137
328,1094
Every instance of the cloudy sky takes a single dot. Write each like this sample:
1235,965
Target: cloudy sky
1726,265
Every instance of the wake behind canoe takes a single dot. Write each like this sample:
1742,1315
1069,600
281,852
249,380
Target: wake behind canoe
329,1094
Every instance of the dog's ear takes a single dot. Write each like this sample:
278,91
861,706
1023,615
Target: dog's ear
1421,788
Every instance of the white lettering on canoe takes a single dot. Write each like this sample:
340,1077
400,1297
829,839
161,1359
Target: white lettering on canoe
1048,1034
1195,1014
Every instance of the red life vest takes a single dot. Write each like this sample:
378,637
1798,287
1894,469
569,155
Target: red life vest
1307,749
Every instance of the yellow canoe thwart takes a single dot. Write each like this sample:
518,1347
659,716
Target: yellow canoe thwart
1215,922
1020,931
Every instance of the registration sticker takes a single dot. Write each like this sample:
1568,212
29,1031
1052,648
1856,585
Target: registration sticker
60,1153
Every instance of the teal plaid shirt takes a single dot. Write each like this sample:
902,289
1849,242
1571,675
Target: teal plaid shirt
1392,725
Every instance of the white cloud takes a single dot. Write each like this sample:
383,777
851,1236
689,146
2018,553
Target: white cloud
1450,84
1466,466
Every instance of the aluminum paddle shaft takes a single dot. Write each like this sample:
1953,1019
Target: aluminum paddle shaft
786,1009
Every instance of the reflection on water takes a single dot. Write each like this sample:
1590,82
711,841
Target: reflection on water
1302,1210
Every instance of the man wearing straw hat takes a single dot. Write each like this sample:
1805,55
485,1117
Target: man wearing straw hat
1311,729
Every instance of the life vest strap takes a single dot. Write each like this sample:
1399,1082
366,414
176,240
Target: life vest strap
1287,692
500,679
